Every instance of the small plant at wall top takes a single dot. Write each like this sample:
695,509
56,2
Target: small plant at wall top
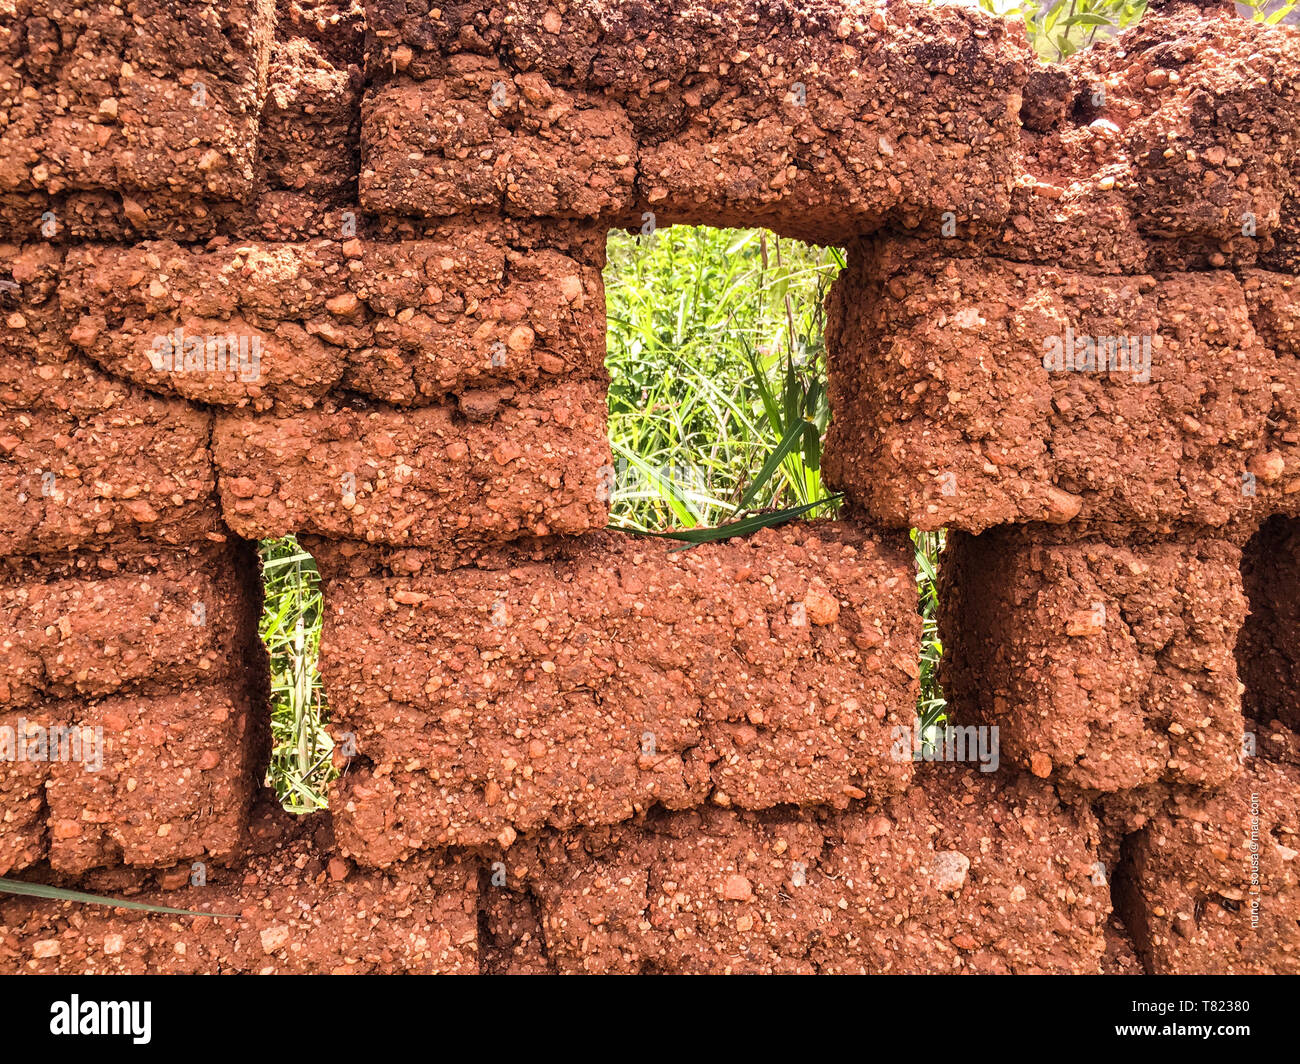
301,766
1270,12
1059,28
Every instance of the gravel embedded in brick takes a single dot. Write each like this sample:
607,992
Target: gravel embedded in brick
262,324
963,873
586,689
178,775
576,751
1105,664
951,411
813,117
536,463
177,620
299,909
24,839
1212,885
1267,654
113,118
123,467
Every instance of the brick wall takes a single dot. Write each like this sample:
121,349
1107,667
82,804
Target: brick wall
568,749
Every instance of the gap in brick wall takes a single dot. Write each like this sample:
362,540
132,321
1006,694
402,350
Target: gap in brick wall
301,765
932,707
1268,656
716,348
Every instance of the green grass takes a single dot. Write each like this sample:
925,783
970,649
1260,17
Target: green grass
22,888
1059,28
717,363
301,749
932,708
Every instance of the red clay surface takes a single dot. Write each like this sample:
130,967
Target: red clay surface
1108,665
406,207
492,701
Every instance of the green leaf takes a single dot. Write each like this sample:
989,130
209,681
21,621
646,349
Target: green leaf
278,563
743,527
41,890
744,238
774,460
770,409
812,445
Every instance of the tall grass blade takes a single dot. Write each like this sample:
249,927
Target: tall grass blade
40,890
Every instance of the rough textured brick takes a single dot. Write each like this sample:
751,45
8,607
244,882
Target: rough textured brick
1211,884
102,123
1285,253
171,781
466,311
310,130
421,477
299,912
947,416
1105,664
410,322
685,761
125,464
1168,147
169,620
179,772
717,114
510,934
30,325
963,873
23,815
1066,208
120,301
532,149
1274,302
616,675
1218,143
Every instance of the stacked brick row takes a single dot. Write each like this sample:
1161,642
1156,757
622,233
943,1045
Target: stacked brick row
564,748
133,727
1119,598
130,675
